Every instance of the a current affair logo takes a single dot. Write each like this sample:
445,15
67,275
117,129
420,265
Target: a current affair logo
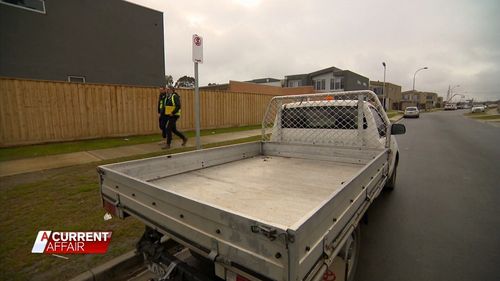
72,242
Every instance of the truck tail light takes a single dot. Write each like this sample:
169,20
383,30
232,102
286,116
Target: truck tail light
231,276
109,207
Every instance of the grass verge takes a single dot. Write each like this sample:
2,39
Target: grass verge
475,114
65,199
20,152
487,117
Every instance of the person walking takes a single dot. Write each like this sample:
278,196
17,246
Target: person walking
162,118
173,112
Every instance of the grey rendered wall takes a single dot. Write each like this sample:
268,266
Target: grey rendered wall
107,41
351,81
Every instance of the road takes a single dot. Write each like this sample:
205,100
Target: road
442,222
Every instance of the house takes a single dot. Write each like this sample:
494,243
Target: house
440,102
329,79
393,95
423,100
112,42
257,88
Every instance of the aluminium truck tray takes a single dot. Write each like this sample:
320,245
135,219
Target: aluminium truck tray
276,209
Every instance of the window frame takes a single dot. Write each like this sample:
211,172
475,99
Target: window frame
26,8
379,122
77,77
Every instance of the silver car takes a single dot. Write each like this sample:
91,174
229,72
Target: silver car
411,111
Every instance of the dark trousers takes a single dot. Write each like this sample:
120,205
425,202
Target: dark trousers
172,128
162,123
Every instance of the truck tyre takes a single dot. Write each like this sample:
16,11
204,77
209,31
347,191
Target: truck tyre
350,254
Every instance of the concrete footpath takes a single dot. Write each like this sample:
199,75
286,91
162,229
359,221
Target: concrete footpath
15,167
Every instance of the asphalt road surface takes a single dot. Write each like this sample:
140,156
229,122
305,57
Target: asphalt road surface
442,222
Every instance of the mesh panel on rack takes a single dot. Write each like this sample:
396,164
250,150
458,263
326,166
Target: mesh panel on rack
352,119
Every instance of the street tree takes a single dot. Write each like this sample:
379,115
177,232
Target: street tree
169,80
185,82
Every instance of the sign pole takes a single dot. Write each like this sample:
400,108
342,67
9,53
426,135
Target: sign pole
197,106
197,58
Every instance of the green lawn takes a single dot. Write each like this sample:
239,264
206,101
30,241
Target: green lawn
60,199
487,117
13,153
391,113
475,114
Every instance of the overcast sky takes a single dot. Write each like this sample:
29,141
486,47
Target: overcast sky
459,40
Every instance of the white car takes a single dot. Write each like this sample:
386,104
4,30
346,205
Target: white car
450,106
411,111
478,108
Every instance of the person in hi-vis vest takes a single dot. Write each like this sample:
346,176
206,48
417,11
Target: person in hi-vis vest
162,118
173,112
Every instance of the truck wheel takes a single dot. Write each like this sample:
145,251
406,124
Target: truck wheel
391,182
350,254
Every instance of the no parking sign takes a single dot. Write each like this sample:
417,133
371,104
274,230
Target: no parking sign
197,48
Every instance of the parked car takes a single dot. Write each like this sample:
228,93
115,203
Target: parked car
478,108
411,111
450,106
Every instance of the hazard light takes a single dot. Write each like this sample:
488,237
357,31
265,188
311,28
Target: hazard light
231,276
109,207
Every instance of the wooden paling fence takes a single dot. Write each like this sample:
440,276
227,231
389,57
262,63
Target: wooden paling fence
33,111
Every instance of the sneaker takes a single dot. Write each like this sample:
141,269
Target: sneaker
184,141
163,142
167,146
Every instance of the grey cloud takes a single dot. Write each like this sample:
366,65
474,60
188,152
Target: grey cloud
459,40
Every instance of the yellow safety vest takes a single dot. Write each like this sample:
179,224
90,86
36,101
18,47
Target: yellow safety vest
170,108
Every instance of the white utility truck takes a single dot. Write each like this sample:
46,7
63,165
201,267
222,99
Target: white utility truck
284,208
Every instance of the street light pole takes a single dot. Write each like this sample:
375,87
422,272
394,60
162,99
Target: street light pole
383,90
416,75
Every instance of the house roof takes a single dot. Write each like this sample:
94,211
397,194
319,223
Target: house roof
296,76
264,80
419,93
381,83
325,70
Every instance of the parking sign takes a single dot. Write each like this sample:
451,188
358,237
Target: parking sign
197,48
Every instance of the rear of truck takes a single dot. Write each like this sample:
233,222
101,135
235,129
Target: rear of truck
279,209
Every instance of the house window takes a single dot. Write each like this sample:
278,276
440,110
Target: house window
415,97
406,97
337,83
76,79
294,83
378,91
30,5
319,84
429,97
